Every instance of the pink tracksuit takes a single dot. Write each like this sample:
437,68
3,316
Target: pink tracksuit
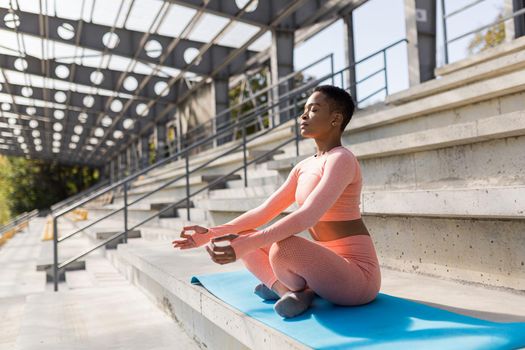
344,271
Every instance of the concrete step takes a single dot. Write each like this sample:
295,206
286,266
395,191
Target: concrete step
118,317
166,273
18,258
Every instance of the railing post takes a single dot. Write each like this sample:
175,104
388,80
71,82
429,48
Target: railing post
244,154
296,123
444,25
55,254
332,69
384,70
188,185
126,212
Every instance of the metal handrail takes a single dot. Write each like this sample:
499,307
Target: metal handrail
290,98
283,80
445,16
17,220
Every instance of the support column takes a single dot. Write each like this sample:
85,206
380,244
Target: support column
519,21
160,138
426,38
350,84
112,172
281,64
411,35
222,102
129,163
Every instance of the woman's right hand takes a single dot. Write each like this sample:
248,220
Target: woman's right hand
186,241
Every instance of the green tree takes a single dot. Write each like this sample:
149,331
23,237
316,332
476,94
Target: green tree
4,190
488,38
36,184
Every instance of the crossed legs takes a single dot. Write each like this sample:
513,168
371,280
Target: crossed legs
299,264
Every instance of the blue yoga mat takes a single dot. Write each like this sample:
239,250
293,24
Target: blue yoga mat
388,322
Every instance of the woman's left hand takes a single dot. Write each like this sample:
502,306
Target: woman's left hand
225,254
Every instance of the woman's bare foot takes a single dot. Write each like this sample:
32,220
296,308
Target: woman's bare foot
292,304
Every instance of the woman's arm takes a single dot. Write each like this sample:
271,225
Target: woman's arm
339,171
281,199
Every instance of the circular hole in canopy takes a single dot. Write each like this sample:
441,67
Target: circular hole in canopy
75,138
62,71
106,121
33,123
38,148
6,106
96,77
20,64
110,40
130,83
127,123
16,131
11,20
116,106
89,147
250,8
78,129
161,88
59,114
57,127
11,121
82,117
27,91
93,140
66,31
57,136
153,48
118,134
142,109
35,133
72,145
88,101
37,141
99,132
56,143
189,55
31,110
60,96
110,143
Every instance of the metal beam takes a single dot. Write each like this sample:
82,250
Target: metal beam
83,76
128,43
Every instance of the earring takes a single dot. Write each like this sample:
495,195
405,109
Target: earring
333,124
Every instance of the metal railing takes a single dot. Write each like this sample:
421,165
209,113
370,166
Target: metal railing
446,15
215,124
291,100
25,216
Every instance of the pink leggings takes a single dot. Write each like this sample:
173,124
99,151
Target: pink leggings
344,271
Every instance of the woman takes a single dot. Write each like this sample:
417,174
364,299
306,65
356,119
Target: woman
340,264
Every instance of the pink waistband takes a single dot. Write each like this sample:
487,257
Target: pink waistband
345,241
356,247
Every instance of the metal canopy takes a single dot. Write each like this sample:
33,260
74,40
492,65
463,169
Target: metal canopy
79,84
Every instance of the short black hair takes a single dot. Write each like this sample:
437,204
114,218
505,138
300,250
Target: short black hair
341,101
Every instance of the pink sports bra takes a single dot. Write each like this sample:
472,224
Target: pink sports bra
326,188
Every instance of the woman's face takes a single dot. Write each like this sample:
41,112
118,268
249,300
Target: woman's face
316,119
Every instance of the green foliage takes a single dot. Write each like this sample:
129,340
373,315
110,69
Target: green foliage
488,38
36,184
254,84
5,213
